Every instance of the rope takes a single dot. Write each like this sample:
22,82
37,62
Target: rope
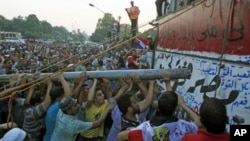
10,116
36,82
51,66
111,48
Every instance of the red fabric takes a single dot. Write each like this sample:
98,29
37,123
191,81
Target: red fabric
203,135
135,135
131,59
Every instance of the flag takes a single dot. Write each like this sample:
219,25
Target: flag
142,43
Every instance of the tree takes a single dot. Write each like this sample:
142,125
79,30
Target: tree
46,29
103,27
32,26
4,23
59,33
17,24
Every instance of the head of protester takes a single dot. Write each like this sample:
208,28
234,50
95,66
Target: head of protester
69,106
213,116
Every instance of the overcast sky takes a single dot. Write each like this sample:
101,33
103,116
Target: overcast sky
74,14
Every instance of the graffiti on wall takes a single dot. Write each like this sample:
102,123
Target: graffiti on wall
231,86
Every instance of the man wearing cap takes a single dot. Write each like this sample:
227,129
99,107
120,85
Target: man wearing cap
151,42
68,126
56,94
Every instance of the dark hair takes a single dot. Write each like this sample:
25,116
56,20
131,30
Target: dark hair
35,98
213,115
124,102
167,103
132,66
121,62
56,92
88,64
100,62
99,88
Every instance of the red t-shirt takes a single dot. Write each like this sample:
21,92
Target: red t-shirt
203,135
135,135
131,59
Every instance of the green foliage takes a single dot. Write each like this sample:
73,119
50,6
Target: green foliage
103,27
32,27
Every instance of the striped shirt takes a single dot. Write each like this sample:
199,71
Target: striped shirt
34,121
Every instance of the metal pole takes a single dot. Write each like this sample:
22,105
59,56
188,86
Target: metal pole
92,5
179,73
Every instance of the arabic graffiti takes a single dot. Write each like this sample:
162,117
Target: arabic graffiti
211,31
231,86
238,31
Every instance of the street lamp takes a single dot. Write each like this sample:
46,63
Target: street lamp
92,5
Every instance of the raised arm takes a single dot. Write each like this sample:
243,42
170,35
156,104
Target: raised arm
79,85
105,86
124,86
194,116
30,91
65,85
166,79
144,104
175,85
141,85
47,99
91,94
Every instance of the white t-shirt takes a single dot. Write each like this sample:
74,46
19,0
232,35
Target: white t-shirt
172,131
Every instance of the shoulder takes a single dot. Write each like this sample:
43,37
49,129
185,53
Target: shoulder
116,114
187,127
191,137
187,124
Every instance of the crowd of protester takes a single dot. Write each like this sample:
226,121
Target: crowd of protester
83,109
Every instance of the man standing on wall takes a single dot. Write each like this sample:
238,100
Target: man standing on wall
133,13
159,7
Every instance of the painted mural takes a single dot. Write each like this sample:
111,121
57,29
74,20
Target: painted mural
217,27
211,38
232,86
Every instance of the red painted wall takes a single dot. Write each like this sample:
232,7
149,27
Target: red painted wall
202,28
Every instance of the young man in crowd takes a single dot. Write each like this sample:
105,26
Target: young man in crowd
164,125
213,116
68,126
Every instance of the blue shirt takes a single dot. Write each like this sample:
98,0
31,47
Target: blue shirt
116,127
50,120
68,127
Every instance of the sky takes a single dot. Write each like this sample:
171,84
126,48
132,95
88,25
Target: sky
77,14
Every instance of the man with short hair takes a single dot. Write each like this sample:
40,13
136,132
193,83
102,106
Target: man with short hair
214,118
68,126
34,118
126,114
164,125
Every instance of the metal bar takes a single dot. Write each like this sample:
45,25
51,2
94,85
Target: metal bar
180,73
